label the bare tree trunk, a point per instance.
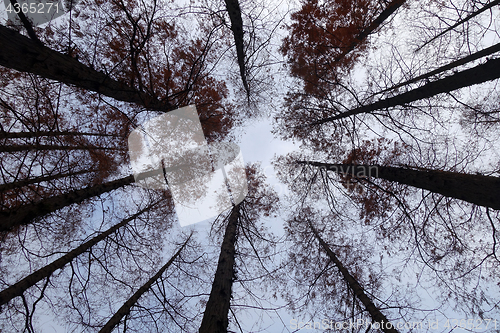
(23, 54)
(483, 53)
(485, 8)
(38, 134)
(30, 147)
(477, 189)
(20, 287)
(388, 11)
(234, 11)
(25, 214)
(373, 310)
(479, 74)
(215, 318)
(125, 309)
(36, 180)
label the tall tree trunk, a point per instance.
(388, 11)
(25, 214)
(477, 189)
(474, 56)
(38, 134)
(373, 310)
(20, 287)
(30, 147)
(483, 9)
(234, 11)
(36, 180)
(479, 74)
(23, 54)
(125, 309)
(215, 318)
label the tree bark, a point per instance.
(373, 310)
(20, 287)
(25, 55)
(35, 180)
(483, 53)
(479, 74)
(391, 8)
(215, 318)
(483, 9)
(477, 189)
(234, 11)
(125, 309)
(25, 214)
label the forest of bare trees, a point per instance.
(384, 217)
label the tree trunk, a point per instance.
(391, 8)
(20, 287)
(485, 8)
(38, 134)
(479, 74)
(30, 147)
(234, 11)
(25, 214)
(35, 180)
(477, 189)
(483, 53)
(215, 318)
(23, 54)
(376, 315)
(125, 309)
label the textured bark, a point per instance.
(36, 180)
(391, 8)
(373, 310)
(479, 74)
(215, 318)
(234, 11)
(477, 189)
(125, 309)
(474, 56)
(467, 18)
(20, 287)
(25, 214)
(25, 55)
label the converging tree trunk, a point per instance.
(25, 214)
(26, 55)
(36, 180)
(477, 189)
(20, 287)
(375, 313)
(125, 309)
(215, 318)
(386, 13)
(479, 74)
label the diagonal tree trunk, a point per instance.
(477, 189)
(25, 55)
(388, 11)
(479, 74)
(38, 134)
(125, 309)
(36, 180)
(25, 214)
(479, 54)
(215, 318)
(375, 313)
(30, 147)
(483, 9)
(20, 287)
